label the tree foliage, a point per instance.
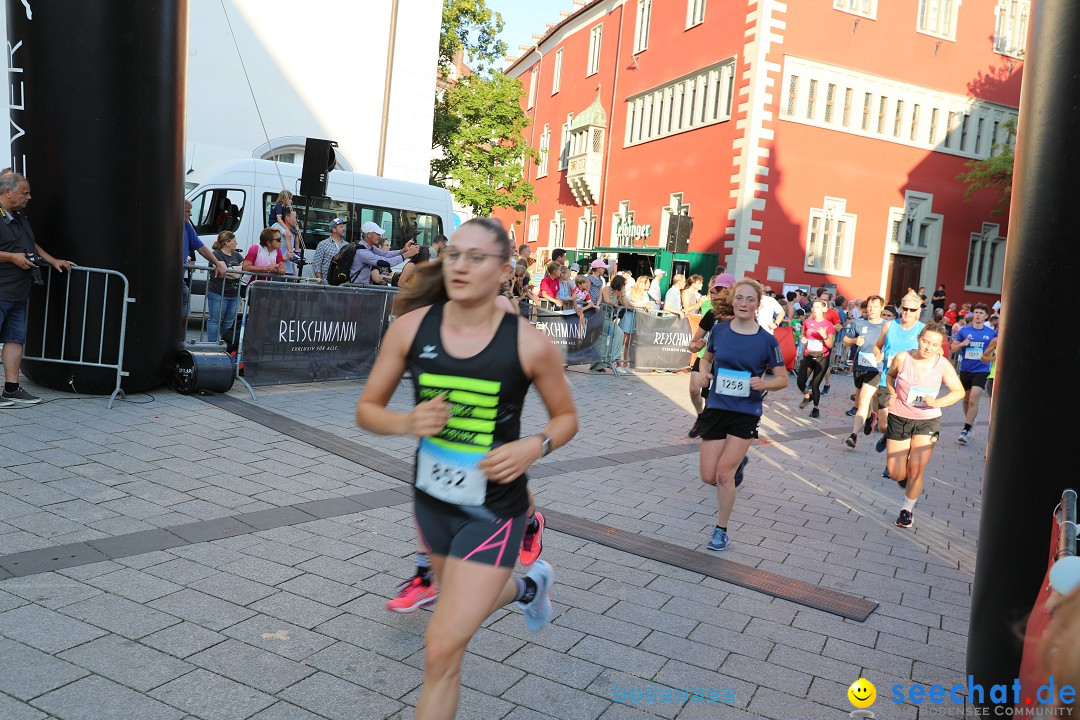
(479, 127)
(471, 26)
(479, 122)
(995, 172)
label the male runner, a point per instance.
(896, 337)
(863, 333)
(971, 341)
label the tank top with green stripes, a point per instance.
(486, 392)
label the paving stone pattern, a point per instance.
(284, 618)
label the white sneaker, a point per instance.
(965, 435)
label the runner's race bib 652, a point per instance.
(735, 383)
(449, 474)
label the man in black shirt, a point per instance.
(18, 254)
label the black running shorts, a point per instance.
(446, 529)
(902, 428)
(868, 377)
(718, 424)
(968, 379)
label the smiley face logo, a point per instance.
(862, 693)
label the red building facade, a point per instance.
(812, 143)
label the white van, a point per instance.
(239, 195)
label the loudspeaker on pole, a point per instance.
(678, 235)
(319, 160)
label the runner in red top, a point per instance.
(818, 336)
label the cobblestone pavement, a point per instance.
(278, 613)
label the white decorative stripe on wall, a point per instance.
(757, 92)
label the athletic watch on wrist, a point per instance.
(545, 443)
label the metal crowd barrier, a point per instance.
(72, 313)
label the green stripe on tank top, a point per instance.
(457, 447)
(467, 437)
(471, 424)
(461, 397)
(464, 411)
(453, 382)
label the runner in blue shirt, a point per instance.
(743, 361)
(971, 342)
(862, 334)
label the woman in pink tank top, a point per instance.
(914, 380)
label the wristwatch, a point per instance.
(545, 443)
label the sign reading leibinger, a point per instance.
(303, 333)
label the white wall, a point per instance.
(318, 70)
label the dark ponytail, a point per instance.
(425, 287)
(428, 287)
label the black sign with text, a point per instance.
(660, 342)
(306, 333)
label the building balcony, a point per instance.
(583, 175)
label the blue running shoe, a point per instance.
(885, 474)
(851, 412)
(881, 444)
(538, 612)
(719, 540)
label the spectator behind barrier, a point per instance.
(223, 294)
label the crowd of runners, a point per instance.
(471, 360)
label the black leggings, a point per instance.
(815, 367)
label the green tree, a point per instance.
(469, 25)
(479, 122)
(995, 172)
(479, 128)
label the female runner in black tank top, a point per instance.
(471, 364)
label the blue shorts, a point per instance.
(13, 322)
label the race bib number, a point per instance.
(735, 383)
(450, 475)
(814, 345)
(867, 359)
(973, 353)
(916, 397)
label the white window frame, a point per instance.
(695, 13)
(686, 103)
(641, 25)
(862, 8)
(829, 249)
(564, 142)
(587, 229)
(556, 78)
(986, 259)
(624, 214)
(534, 229)
(938, 18)
(557, 230)
(545, 152)
(532, 88)
(938, 126)
(1010, 27)
(596, 37)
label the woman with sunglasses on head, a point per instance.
(470, 495)
(742, 361)
(896, 337)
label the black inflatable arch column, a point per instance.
(97, 122)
